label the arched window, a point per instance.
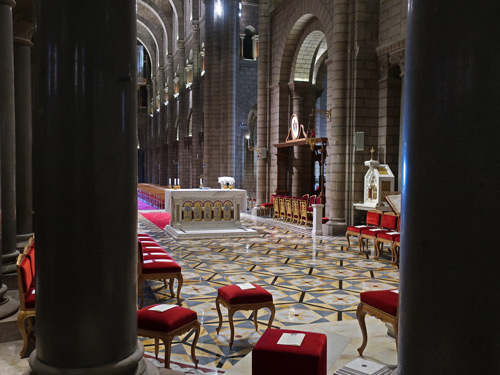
(249, 44)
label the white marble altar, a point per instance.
(198, 213)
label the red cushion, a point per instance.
(358, 228)
(152, 254)
(386, 236)
(373, 231)
(236, 296)
(26, 275)
(372, 218)
(324, 220)
(148, 243)
(166, 321)
(397, 238)
(159, 266)
(389, 221)
(266, 204)
(269, 358)
(31, 255)
(152, 248)
(29, 299)
(384, 300)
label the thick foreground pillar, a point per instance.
(24, 139)
(449, 250)
(8, 306)
(85, 164)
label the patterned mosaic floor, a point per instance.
(313, 280)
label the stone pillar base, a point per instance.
(22, 240)
(9, 263)
(334, 228)
(135, 364)
(8, 306)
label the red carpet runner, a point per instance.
(160, 219)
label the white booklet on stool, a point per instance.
(294, 339)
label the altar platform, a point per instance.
(205, 213)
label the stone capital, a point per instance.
(180, 44)
(195, 25)
(22, 20)
(383, 67)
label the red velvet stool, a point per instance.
(167, 324)
(270, 358)
(234, 298)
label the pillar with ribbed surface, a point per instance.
(263, 106)
(7, 140)
(8, 306)
(336, 166)
(85, 164)
(449, 248)
(24, 144)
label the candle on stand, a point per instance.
(201, 181)
(169, 182)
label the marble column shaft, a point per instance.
(337, 84)
(263, 193)
(7, 139)
(8, 306)
(85, 167)
(24, 139)
(449, 248)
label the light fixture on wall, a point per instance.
(250, 145)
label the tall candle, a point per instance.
(170, 181)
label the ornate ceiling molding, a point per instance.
(389, 55)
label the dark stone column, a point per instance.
(24, 144)
(8, 306)
(449, 248)
(85, 166)
(8, 141)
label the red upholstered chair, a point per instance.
(387, 237)
(166, 325)
(276, 208)
(26, 288)
(296, 210)
(389, 223)
(268, 205)
(372, 221)
(303, 211)
(234, 298)
(158, 268)
(396, 247)
(383, 305)
(271, 358)
(288, 209)
(281, 201)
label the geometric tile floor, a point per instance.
(312, 279)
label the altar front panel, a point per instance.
(205, 209)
